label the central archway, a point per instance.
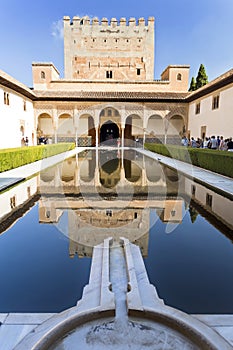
(109, 133)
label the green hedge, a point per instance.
(217, 161)
(14, 157)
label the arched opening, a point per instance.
(66, 131)
(109, 169)
(179, 76)
(133, 172)
(47, 175)
(153, 170)
(133, 129)
(171, 174)
(45, 128)
(68, 170)
(155, 129)
(109, 133)
(175, 129)
(87, 165)
(86, 130)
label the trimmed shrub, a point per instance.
(15, 157)
(220, 162)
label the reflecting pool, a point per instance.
(50, 223)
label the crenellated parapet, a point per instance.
(77, 21)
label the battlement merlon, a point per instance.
(113, 22)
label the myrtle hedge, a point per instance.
(11, 158)
(217, 161)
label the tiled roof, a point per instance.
(219, 82)
(110, 95)
(11, 83)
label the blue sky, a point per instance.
(187, 32)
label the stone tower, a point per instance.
(102, 50)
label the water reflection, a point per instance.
(95, 195)
(114, 190)
(110, 194)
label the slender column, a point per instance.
(76, 137)
(122, 113)
(122, 137)
(57, 179)
(97, 121)
(55, 135)
(166, 123)
(97, 170)
(122, 158)
(55, 124)
(77, 174)
(76, 125)
(144, 137)
(144, 177)
(97, 136)
(97, 176)
(96, 159)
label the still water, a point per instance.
(50, 223)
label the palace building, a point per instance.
(109, 94)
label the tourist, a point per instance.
(193, 143)
(230, 145)
(218, 142)
(199, 143)
(26, 141)
(213, 143)
(184, 141)
(206, 142)
(223, 144)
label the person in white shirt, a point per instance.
(214, 143)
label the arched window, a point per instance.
(42, 75)
(179, 76)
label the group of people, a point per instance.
(24, 141)
(215, 143)
(43, 140)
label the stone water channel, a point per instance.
(120, 207)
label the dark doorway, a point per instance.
(109, 133)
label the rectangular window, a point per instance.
(6, 99)
(13, 202)
(193, 190)
(198, 108)
(209, 199)
(109, 74)
(24, 105)
(109, 212)
(138, 71)
(215, 102)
